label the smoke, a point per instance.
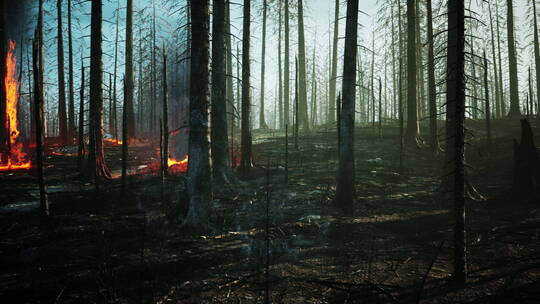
(19, 18)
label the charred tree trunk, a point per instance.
(71, 107)
(165, 115)
(499, 52)
(129, 71)
(286, 83)
(434, 141)
(333, 75)
(495, 71)
(526, 164)
(199, 186)
(262, 121)
(512, 63)
(245, 164)
(81, 150)
(97, 168)
(345, 191)
(412, 132)
(455, 148)
(229, 91)
(536, 60)
(280, 72)
(487, 105)
(37, 56)
(125, 136)
(219, 140)
(302, 118)
(62, 118)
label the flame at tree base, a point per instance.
(16, 158)
(178, 166)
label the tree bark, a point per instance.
(536, 60)
(286, 83)
(165, 115)
(280, 72)
(4, 138)
(81, 150)
(412, 132)
(130, 114)
(487, 107)
(333, 75)
(62, 118)
(37, 56)
(455, 148)
(495, 71)
(499, 52)
(219, 139)
(229, 91)
(245, 164)
(199, 178)
(302, 80)
(434, 141)
(97, 168)
(512, 61)
(71, 108)
(345, 191)
(262, 122)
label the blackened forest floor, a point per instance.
(98, 247)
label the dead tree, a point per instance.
(81, 150)
(262, 121)
(62, 118)
(455, 131)
(412, 131)
(165, 114)
(302, 119)
(71, 107)
(97, 168)
(333, 70)
(434, 141)
(37, 58)
(345, 191)
(218, 114)
(199, 187)
(512, 62)
(129, 71)
(245, 163)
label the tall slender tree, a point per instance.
(345, 192)
(262, 121)
(536, 59)
(495, 70)
(512, 62)
(434, 141)
(455, 131)
(71, 107)
(245, 163)
(302, 79)
(97, 167)
(130, 113)
(333, 70)
(412, 132)
(62, 117)
(199, 178)
(230, 93)
(165, 115)
(280, 69)
(3, 53)
(218, 133)
(286, 82)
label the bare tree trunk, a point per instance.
(113, 128)
(96, 157)
(487, 108)
(302, 81)
(245, 164)
(345, 191)
(130, 115)
(536, 59)
(218, 114)
(411, 134)
(165, 114)
(37, 56)
(512, 62)
(286, 83)
(4, 138)
(333, 75)
(71, 108)
(62, 118)
(81, 150)
(125, 136)
(280, 72)
(262, 122)
(229, 91)
(434, 141)
(499, 52)
(199, 178)
(495, 71)
(313, 93)
(455, 148)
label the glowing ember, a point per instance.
(16, 158)
(113, 141)
(176, 166)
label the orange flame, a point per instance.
(178, 166)
(16, 157)
(113, 141)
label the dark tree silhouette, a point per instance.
(62, 118)
(245, 163)
(130, 114)
(345, 191)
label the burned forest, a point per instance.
(269, 151)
